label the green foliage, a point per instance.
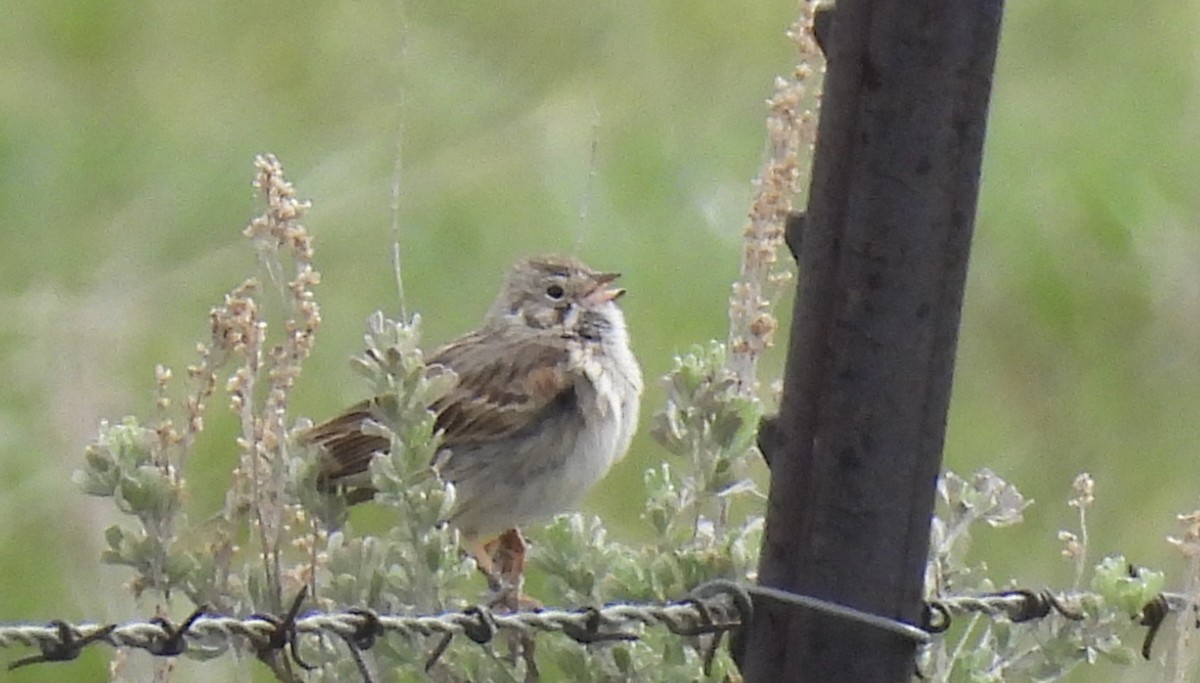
(710, 420)
(126, 463)
(418, 557)
(1091, 628)
(1126, 587)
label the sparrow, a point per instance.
(546, 401)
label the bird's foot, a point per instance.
(504, 568)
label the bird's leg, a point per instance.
(493, 559)
(502, 562)
(511, 555)
(508, 562)
(510, 559)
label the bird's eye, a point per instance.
(555, 292)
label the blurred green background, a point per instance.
(127, 131)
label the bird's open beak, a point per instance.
(602, 294)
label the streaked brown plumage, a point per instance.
(546, 400)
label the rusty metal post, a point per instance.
(856, 448)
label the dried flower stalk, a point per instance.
(258, 485)
(791, 133)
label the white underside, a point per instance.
(530, 479)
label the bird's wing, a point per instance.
(505, 381)
(347, 450)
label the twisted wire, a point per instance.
(602, 623)
(714, 608)
(1024, 604)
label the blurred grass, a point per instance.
(127, 130)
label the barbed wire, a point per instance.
(61, 641)
(714, 609)
(1022, 605)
